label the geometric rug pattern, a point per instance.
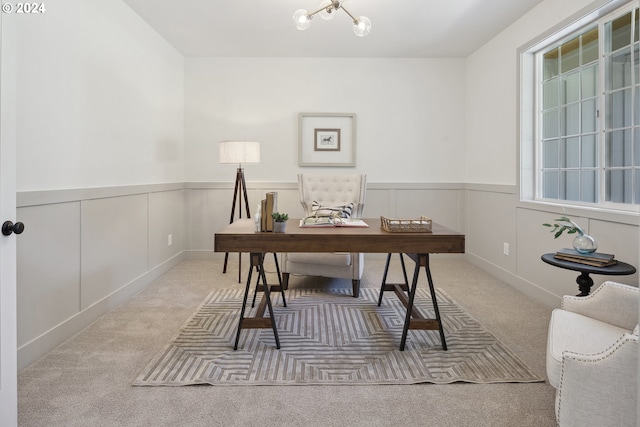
(329, 337)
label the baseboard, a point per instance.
(38, 347)
(528, 288)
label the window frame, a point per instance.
(530, 98)
(562, 138)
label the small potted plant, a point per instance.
(280, 221)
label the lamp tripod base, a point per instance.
(240, 187)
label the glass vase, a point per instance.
(584, 244)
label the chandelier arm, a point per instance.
(355, 20)
(318, 11)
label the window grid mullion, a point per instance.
(601, 140)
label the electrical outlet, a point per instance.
(505, 248)
(170, 240)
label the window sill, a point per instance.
(630, 217)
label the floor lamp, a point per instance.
(239, 152)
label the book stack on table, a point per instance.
(595, 259)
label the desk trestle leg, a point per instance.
(259, 321)
(406, 294)
(280, 286)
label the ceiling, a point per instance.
(264, 28)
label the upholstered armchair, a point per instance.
(344, 194)
(592, 357)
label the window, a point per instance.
(587, 124)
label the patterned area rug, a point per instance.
(329, 337)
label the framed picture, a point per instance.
(327, 139)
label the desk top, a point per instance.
(241, 237)
(618, 269)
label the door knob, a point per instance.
(9, 227)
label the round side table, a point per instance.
(585, 282)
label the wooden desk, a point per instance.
(241, 237)
(584, 281)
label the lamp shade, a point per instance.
(239, 152)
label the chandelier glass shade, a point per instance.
(327, 11)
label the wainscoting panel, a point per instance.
(379, 202)
(612, 237)
(207, 212)
(620, 240)
(48, 268)
(539, 241)
(85, 251)
(208, 208)
(492, 223)
(166, 218)
(288, 199)
(114, 233)
(497, 216)
(443, 206)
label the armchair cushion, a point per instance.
(576, 333)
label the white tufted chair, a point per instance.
(328, 191)
(592, 357)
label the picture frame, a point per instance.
(327, 139)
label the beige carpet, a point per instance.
(330, 338)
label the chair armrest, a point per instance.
(612, 302)
(600, 389)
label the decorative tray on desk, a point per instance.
(393, 225)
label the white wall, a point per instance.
(408, 114)
(491, 89)
(100, 99)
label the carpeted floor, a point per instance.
(87, 380)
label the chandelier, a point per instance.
(327, 10)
